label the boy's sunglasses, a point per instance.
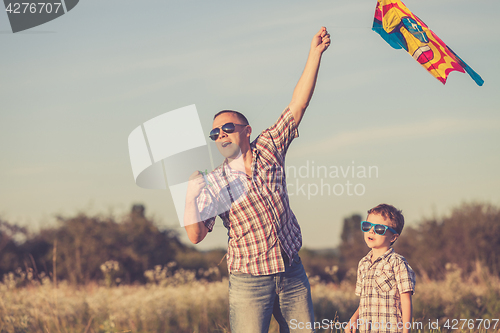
(379, 229)
(227, 128)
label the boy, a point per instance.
(385, 280)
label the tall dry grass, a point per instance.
(179, 303)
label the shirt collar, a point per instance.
(226, 169)
(368, 257)
(386, 255)
(229, 172)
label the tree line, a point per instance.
(78, 249)
(82, 248)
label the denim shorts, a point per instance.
(287, 296)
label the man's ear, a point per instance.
(249, 130)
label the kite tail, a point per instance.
(476, 77)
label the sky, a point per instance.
(73, 89)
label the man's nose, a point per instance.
(222, 134)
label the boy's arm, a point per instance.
(406, 308)
(351, 327)
(305, 87)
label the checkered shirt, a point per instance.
(380, 285)
(256, 210)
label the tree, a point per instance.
(85, 242)
(352, 247)
(10, 251)
(469, 235)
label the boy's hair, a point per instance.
(391, 213)
(240, 116)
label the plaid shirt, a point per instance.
(256, 210)
(380, 285)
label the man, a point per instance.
(248, 191)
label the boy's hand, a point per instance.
(321, 40)
(350, 328)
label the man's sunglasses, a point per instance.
(379, 229)
(227, 128)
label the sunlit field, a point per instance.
(92, 274)
(181, 303)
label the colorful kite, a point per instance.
(401, 29)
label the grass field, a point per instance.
(181, 304)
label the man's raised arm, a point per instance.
(305, 87)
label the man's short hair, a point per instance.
(391, 213)
(240, 116)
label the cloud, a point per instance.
(395, 133)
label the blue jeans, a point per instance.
(287, 296)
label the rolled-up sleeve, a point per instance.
(207, 209)
(359, 278)
(282, 132)
(405, 277)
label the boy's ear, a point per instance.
(394, 237)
